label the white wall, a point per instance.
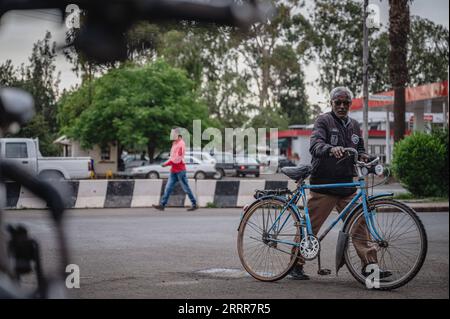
(300, 145)
(100, 166)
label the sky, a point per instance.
(19, 30)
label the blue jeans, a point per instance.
(173, 179)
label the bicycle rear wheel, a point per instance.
(261, 253)
(402, 251)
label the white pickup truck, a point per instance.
(25, 152)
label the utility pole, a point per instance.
(365, 78)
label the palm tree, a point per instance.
(399, 27)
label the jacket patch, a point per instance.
(334, 139)
(355, 139)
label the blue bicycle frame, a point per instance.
(301, 194)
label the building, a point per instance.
(105, 158)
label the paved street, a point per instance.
(142, 253)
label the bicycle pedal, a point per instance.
(324, 272)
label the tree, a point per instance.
(209, 57)
(39, 79)
(263, 50)
(135, 106)
(338, 42)
(427, 52)
(8, 76)
(399, 28)
(290, 85)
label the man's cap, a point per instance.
(341, 92)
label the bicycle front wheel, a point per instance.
(400, 254)
(267, 249)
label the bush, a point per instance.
(420, 162)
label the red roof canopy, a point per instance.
(295, 133)
(418, 93)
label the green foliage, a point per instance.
(269, 118)
(240, 74)
(337, 38)
(8, 75)
(427, 52)
(420, 162)
(274, 55)
(339, 43)
(211, 205)
(136, 106)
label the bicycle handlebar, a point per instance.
(224, 12)
(355, 158)
(102, 36)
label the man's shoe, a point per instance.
(194, 207)
(382, 273)
(297, 273)
(159, 207)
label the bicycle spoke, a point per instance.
(263, 255)
(400, 252)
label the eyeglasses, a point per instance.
(339, 102)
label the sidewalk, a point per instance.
(427, 207)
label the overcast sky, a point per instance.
(19, 30)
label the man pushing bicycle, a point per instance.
(334, 131)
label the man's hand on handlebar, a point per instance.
(337, 152)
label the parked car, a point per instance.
(201, 155)
(194, 169)
(247, 166)
(269, 163)
(134, 160)
(225, 163)
(25, 153)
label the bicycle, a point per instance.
(274, 232)
(19, 253)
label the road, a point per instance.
(142, 253)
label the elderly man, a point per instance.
(334, 131)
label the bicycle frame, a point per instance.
(301, 194)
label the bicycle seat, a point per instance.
(297, 173)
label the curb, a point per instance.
(145, 193)
(429, 209)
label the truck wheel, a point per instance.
(153, 175)
(51, 176)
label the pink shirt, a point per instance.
(176, 159)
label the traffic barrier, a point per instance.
(144, 193)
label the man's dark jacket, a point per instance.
(330, 131)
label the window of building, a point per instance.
(105, 153)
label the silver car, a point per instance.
(194, 169)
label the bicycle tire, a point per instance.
(421, 242)
(270, 247)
